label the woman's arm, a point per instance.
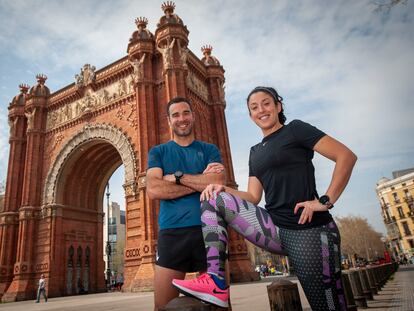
(253, 193)
(344, 160)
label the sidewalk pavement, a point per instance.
(397, 294)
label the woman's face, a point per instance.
(264, 112)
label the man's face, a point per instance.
(181, 119)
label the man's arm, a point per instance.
(200, 181)
(161, 189)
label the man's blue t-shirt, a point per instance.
(192, 159)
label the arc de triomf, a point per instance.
(64, 146)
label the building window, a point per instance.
(112, 220)
(112, 229)
(112, 238)
(403, 184)
(411, 243)
(392, 188)
(400, 212)
(396, 199)
(407, 195)
(407, 230)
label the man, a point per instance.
(177, 172)
(41, 289)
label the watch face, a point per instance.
(324, 199)
(178, 174)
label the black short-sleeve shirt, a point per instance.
(283, 164)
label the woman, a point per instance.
(295, 221)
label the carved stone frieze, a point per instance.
(130, 189)
(86, 76)
(106, 132)
(196, 85)
(12, 125)
(128, 112)
(138, 65)
(142, 182)
(90, 102)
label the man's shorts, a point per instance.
(182, 249)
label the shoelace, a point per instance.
(202, 278)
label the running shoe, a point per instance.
(205, 289)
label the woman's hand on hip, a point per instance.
(210, 192)
(308, 208)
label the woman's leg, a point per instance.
(315, 255)
(252, 222)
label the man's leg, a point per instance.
(163, 289)
(44, 294)
(38, 295)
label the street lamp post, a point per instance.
(108, 243)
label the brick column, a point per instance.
(23, 285)
(9, 216)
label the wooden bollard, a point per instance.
(366, 289)
(376, 277)
(284, 296)
(350, 301)
(187, 304)
(355, 282)
(371, 280)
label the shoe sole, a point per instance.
(203, 297)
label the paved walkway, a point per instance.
(397, 294)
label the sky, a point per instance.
(339, 65)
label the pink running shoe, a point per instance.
(205, 289)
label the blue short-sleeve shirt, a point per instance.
(192, 159)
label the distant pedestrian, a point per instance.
(119, 281)
(41, 288)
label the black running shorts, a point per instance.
(182, 249)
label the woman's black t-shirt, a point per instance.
(283, 164)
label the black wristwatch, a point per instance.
(325, 200)
(178, 175)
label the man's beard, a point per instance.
(185, 133)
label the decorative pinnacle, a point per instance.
(206, 49)
(141, 21)
(24, 88)
(168, 6)
(41, 78)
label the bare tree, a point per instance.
(358, 237)
(387, 5)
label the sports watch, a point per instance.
(178, 175)
(325, 200)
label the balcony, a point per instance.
(408, 199)
(389, 220)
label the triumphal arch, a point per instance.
(64, 146)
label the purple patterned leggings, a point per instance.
(314, 253)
